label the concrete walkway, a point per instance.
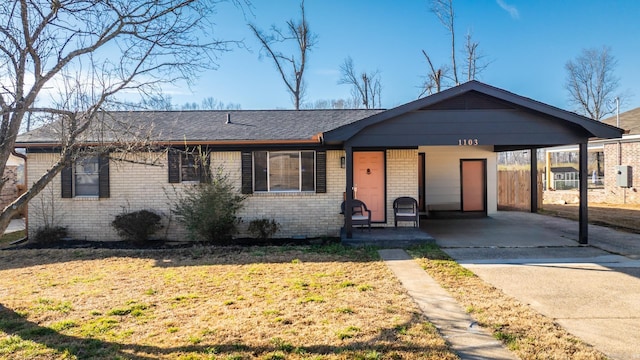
(592, 291)
(466, 338)
(15, 225)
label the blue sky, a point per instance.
(527, 42)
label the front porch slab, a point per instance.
(387, 237)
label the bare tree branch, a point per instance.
(591, 82)
(290, 67)
(91, 51)
(443, 9)
(435, 77)
(475, 63)
(366, 88)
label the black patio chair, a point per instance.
(405, 208)
(360, 215)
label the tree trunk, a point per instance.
(18, 204)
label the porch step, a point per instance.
(402, 237)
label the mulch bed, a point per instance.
(162, 244)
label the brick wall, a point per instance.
(135, 186)
(402, 178)
(300, 214)
(629, 155)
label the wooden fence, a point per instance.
(514, 190)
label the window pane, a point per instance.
(86, 177)
(308, 170)
(284, 171)
(260, 171)
(189, 168)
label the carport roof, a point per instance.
(475, 104)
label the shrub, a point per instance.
(137, 226)
(49, 234)
(263, 228)
(209, 210)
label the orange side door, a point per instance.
(474, 185)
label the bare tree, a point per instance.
(366, 87)
(435, 78)
(290, 67)
(331, 104)
(591, 82)
(211, 103)
(474, 59)
(444, 76)
(443, 9)
(91, 51)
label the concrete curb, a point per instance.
(467, 339)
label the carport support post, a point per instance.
(534, 180)
(348, 226)
(583, 236)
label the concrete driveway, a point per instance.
(592, 291)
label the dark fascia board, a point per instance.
(596, 128)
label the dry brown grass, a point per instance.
(524, 331)
(208, 303)
(618, 216)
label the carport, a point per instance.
(471, 116)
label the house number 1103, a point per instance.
(467, 142)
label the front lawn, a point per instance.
(208, 303)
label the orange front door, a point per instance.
(474, 184)
(368, 181)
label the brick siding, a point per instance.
(135, 186)
(630, 155)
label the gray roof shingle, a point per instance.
(629, 120)
(172, 126)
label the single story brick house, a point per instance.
(623, 152)
(296, 166)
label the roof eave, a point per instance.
(288, 142)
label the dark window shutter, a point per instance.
(205, 169)
(247, 173)
(174, 166)
(321, 172)
(67, 181)
(103, 177)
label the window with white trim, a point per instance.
(86, 176)
(281, 171)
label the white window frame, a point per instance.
(300, 171)
(96, 174)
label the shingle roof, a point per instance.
(244, 125)
(629, 120)
(595, 128)
(563, 169)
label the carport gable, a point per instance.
(472, 114)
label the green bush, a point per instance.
(263, 228)
(137, 226)
(48, 234)
(209, 210)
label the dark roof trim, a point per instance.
(596, 128)
(317, 140)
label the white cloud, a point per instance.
(512, 10)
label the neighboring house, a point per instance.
(296, 166)
(623, 155)
(564, 177)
